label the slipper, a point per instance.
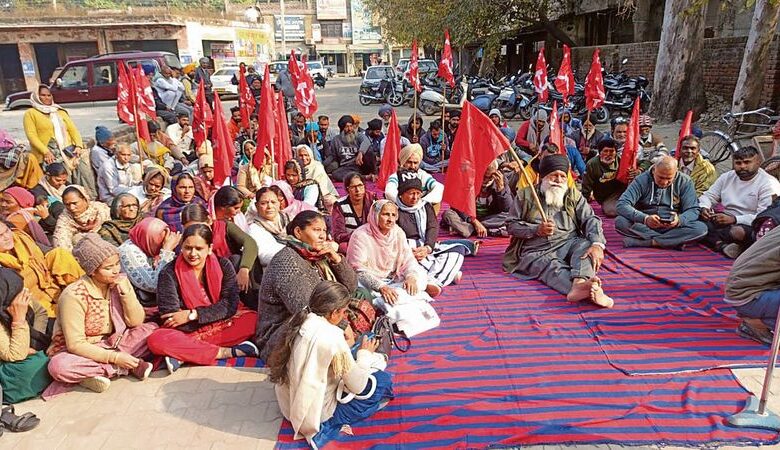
(18, 424)
(746, 331)
(248, 348)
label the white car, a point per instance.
(316, 67)
(222, 81)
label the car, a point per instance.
(375, 74)
(316, 67)
(92, 80)
(274, 67)
(403, 63)
(222, 81)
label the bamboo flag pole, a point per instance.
(137, 135)
(443, 108)
(274, 166)
(414, 114)
(528, 181)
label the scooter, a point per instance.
(431, 102)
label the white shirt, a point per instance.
(742, 199)
(183, 142)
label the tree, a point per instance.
(678, 83)
(750, 83)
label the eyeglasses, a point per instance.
(356, 187)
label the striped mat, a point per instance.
(514, 364)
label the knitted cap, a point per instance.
(91, 250)
(552, 163)
(408, 180)
(102, 134)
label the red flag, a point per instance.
(685, 130)
(246, 99)
(476, 145)
(445, 64)
(389, 164)
(282, 144)
(556, 133)
(266, 130)
(294, 67)
(564, 82)
(202, 118)
(305, 100)
(224, 152)
(413, 74)
(125, 90)
(594, 84)
(628, 159)
(540, 77)
(144, 99)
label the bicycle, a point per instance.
(718, 145)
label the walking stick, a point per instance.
(528, 181)
(755, 414)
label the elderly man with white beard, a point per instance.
(348, 152)
(565, 251)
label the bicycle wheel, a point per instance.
(717, 147)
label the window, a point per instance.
(104, 74)
(379, 73)
(314, 65)
(74, 77)
(331, 29)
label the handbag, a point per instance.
(389, 337)
(361, 315)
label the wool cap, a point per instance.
(91, 250)
(408, 180)
(551, 163)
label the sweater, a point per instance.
(287, 284)
(600, 180)
(643, 198)
(169, 297)
(755, 271)
(742, 199)
(433, 191)
(140, 269)
(40, 130)
(15, 342)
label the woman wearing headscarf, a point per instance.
(17, 206)
(268, 225)
(250, 179)
(152, 191)
(45, 275)
(306, 190)
(204, 179)
(80, 216)
(124, 216)
(351, 211)
(292, 275)
(100, 331)
(17, 165)
(54, 138)
(384, 262)
(182, 195)
(291, 205)
(198, 300)
(151, 245)
(314, 139)
(314, 170)
(53, 183)
(23, 340)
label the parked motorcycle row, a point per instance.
(514, 96)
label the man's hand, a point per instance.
(675, 222)
(420, 253)
(359, 159)
(185, 129)
(724, 219)
(633, 173)
(499, 180)
(596, 254)
(545, 229)
(706, 214)
(654, 222)
(479, 228)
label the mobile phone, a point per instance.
(666, 217)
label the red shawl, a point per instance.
(192, 291)
(220, 245)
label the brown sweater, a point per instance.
(755, 271)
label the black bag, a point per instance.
(389, 336)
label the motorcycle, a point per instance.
(431, 101)
(385, 91)
(319, 80)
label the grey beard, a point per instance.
(349, 139)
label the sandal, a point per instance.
(18, 424)
(746, 331)
(248, 348)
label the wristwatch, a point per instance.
(193, 315)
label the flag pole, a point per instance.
(443, 108)
(274, 166)
(537, 202)
(414, 113)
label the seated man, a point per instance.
(436, 149)
(182, 138)
(659, 209)
(104, 148)
(753, 288)
(349, 152)
(493, 203)
(565, 251)
(695, 166)
(409, 159)
(744, 192)
(600, 178)
(118, 175)
(650, 145)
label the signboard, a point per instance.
(316, 32)
(346, 31)
(250, 44)
(293, 28)
(331, 9)
(365, 28)
(28, 68)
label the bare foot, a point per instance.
(598, 296)
(433, 290)
(477, 243)
(580, 290)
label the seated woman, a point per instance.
(204, 178)
(384, 262)
(314, 170)
(124, 216)
(268, 225)
(198, 300)
(51, 187)
(320, 386)
(306, 190)
(45, 275)
(100, 331)
(17, 207)
(250, 179)
(152, 191)
(417, 219)
(351, 211)
(151, 245)
(287, 201)
(21, 167)
(23, 339)
(80, 216)
(182, 195)
(292, 275)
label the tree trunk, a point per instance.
(750, 83)
(642, 21)
(678, 84)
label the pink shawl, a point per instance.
(381, 255)
(294, 206)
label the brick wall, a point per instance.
(722, 58)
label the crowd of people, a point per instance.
(117, 259)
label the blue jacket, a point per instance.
(643, 198)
